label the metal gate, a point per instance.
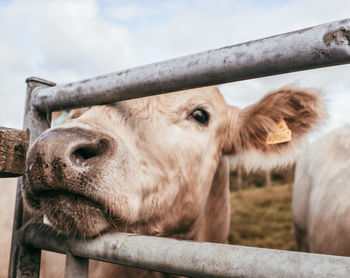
(320, 46)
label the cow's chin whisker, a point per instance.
(72, 215)
(52, 204)
(54, 194)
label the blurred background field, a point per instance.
(260, 216)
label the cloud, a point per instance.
(59, 40)
(128, 12)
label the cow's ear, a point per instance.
(266, 134)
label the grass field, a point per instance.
(262, 218)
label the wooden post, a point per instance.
(13, 149)
(239, 181)
(290, 177)
(268, 180)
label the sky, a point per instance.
(65, 41)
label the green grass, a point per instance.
(262, 218)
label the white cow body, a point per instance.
(321, 208)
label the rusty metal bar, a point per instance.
(76, 267)
(189, 258)
(320, 46)
(25, 260)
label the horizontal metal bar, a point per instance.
(320, 46)
(189, 258)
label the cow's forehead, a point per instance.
(210, 95)
(181, 100)
(171, 104)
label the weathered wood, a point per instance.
(13, 149)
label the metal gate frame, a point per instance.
(320, 46)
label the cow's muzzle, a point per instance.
(68, 159)
(64, 167)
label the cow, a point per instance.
(159, 165)
(320, 205)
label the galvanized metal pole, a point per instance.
(76, 267)
(189, 258)
(320, 46)
(25, 260)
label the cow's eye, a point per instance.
(200, 116)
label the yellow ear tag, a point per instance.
(281, 134)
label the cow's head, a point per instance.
(147, 165)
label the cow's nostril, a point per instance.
(89, 152)
(86, 152)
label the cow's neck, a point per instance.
(213, 225)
